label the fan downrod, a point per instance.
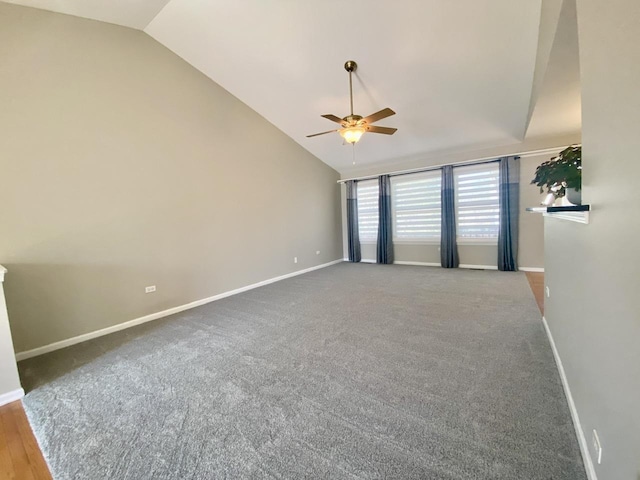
(350, 66)
(356, 124)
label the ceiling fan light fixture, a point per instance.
(353, 126)
(352, 134)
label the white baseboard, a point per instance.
(463, 265)
(582, 441)
(363, 260)
(11, 396)
(478, 267)
(419, 264)
(154, 316)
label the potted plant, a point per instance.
(562, 175)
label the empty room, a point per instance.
(319, 239)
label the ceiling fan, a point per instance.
(353, 126)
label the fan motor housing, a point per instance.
(353, 126)
(353, 119)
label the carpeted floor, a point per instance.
(353, 371)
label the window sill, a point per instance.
(416, 242)
(459, 241)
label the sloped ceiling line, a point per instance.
(460, 75)
(556, 108)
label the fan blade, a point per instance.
(387, 112)
(384, 130)
(323, 133)
(333, 118)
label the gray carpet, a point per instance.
(353, 371)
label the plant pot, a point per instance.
(574, 196)
(549, 200)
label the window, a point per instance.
(477, 207)
(368, 210)
(416, 207)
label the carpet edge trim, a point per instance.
(164, 313)
(582, 440)
(11, 396)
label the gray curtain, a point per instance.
(509, 214)
(384, 252)
(352, 221)
(448, 244)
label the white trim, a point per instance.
(11, 396)
(578, 217)
(529, 153)
(3, 270)
(478, 267)
(420, 264)
(406, 241)
(434, 264)
(542, 151)
(582, 441)
(154, 316)
(362, 260)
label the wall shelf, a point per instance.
(572, 213)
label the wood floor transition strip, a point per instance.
(20, 456)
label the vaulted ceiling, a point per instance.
(460, 75)
(129, 13)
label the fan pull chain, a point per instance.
(353, 149)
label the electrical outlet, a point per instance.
(597, 448)
(547, 291)
(295, 259)
(317, 252)
(150, 289)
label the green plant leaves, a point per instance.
(561, 172)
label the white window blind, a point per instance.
(477, 207)
(368, 210)
(416, 206)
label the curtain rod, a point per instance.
(475, 161)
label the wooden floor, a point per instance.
(21, 459)
(20, 456)
(536, 282)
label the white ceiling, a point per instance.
(558, 107)
(129, 13)
(459, 74)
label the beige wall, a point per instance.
(531, 226)
(9, 380)
(592, 270)
(531, 244)
(122, 167)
